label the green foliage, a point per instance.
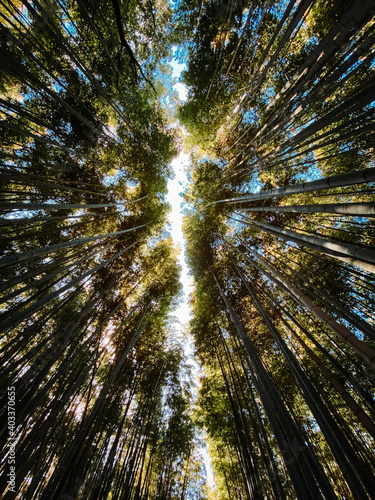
(271, 107)
(280, 95)
(85, 159)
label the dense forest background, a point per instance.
(97, 401)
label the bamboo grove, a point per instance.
(88, 276)
(279, 125)
(280, 238)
